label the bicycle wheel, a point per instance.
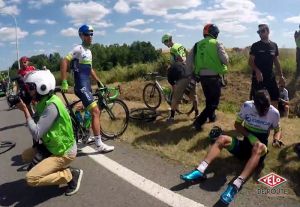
(151, 96)
(6, 146)
(185, 106)
(143, 114)
(114, 119)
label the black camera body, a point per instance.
(13, 100)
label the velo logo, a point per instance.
(272, 180)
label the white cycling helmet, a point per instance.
(43, 80)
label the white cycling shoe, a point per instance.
(105, 148)
(101, 147)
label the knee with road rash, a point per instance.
(260, 148)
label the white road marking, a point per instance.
(163, 194)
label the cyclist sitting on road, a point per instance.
(179, 76)
(53, 129)
(80, 61)
(254, 122)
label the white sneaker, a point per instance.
(105, 148)
(90, 139)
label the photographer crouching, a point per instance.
(55, 147)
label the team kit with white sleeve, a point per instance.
(259, 126)
(81, 66)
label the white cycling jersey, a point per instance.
(258, 124)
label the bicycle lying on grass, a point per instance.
(114, 114)
(153, 93)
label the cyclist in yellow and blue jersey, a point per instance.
(80, 62)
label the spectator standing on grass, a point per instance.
(263, 55)
(179, 76)
(210, 61)
(297, 40)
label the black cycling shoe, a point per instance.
(197, 126)
(74, 184)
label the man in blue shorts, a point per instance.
(254, 122)
(80, 61)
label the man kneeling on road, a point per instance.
(254, 122)
(54, 130)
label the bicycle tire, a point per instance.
(143, 114)
(154, 95)
(6, 146)
(185, 106)
(113, 122)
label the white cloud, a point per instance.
(46, 21)
(69, 32)
(103, 24)
(136, 22)
(37, 4)
(33, 21)
(295, 19)
(134, 30)
(13, 2)
(39, 32)
(232, 27)
(49, 21)
(289, 34)
(122, 7)
(230, 14)
(99, 33)
(90, 12)
(191, 27)
(12, 10)
(8, 34)
(2, 4)
(162, 7)
(38, 43)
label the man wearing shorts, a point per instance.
(255, 120)
(80, 61)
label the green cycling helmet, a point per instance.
(166, 37)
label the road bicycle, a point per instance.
(114, 114)
(154, 91)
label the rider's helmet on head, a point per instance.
(211, 30)
(262, 102)
(166, 38)
(41, 81)
(85, 30)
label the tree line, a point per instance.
(104, 57)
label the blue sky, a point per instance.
(47, 26)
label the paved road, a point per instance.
(125, 177)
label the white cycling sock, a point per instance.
(238, 182)
(98, 140)
(202, 167)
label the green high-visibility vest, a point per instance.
(177, 50)
(60, 137)
(206, 57)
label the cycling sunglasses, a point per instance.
(88, 34)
